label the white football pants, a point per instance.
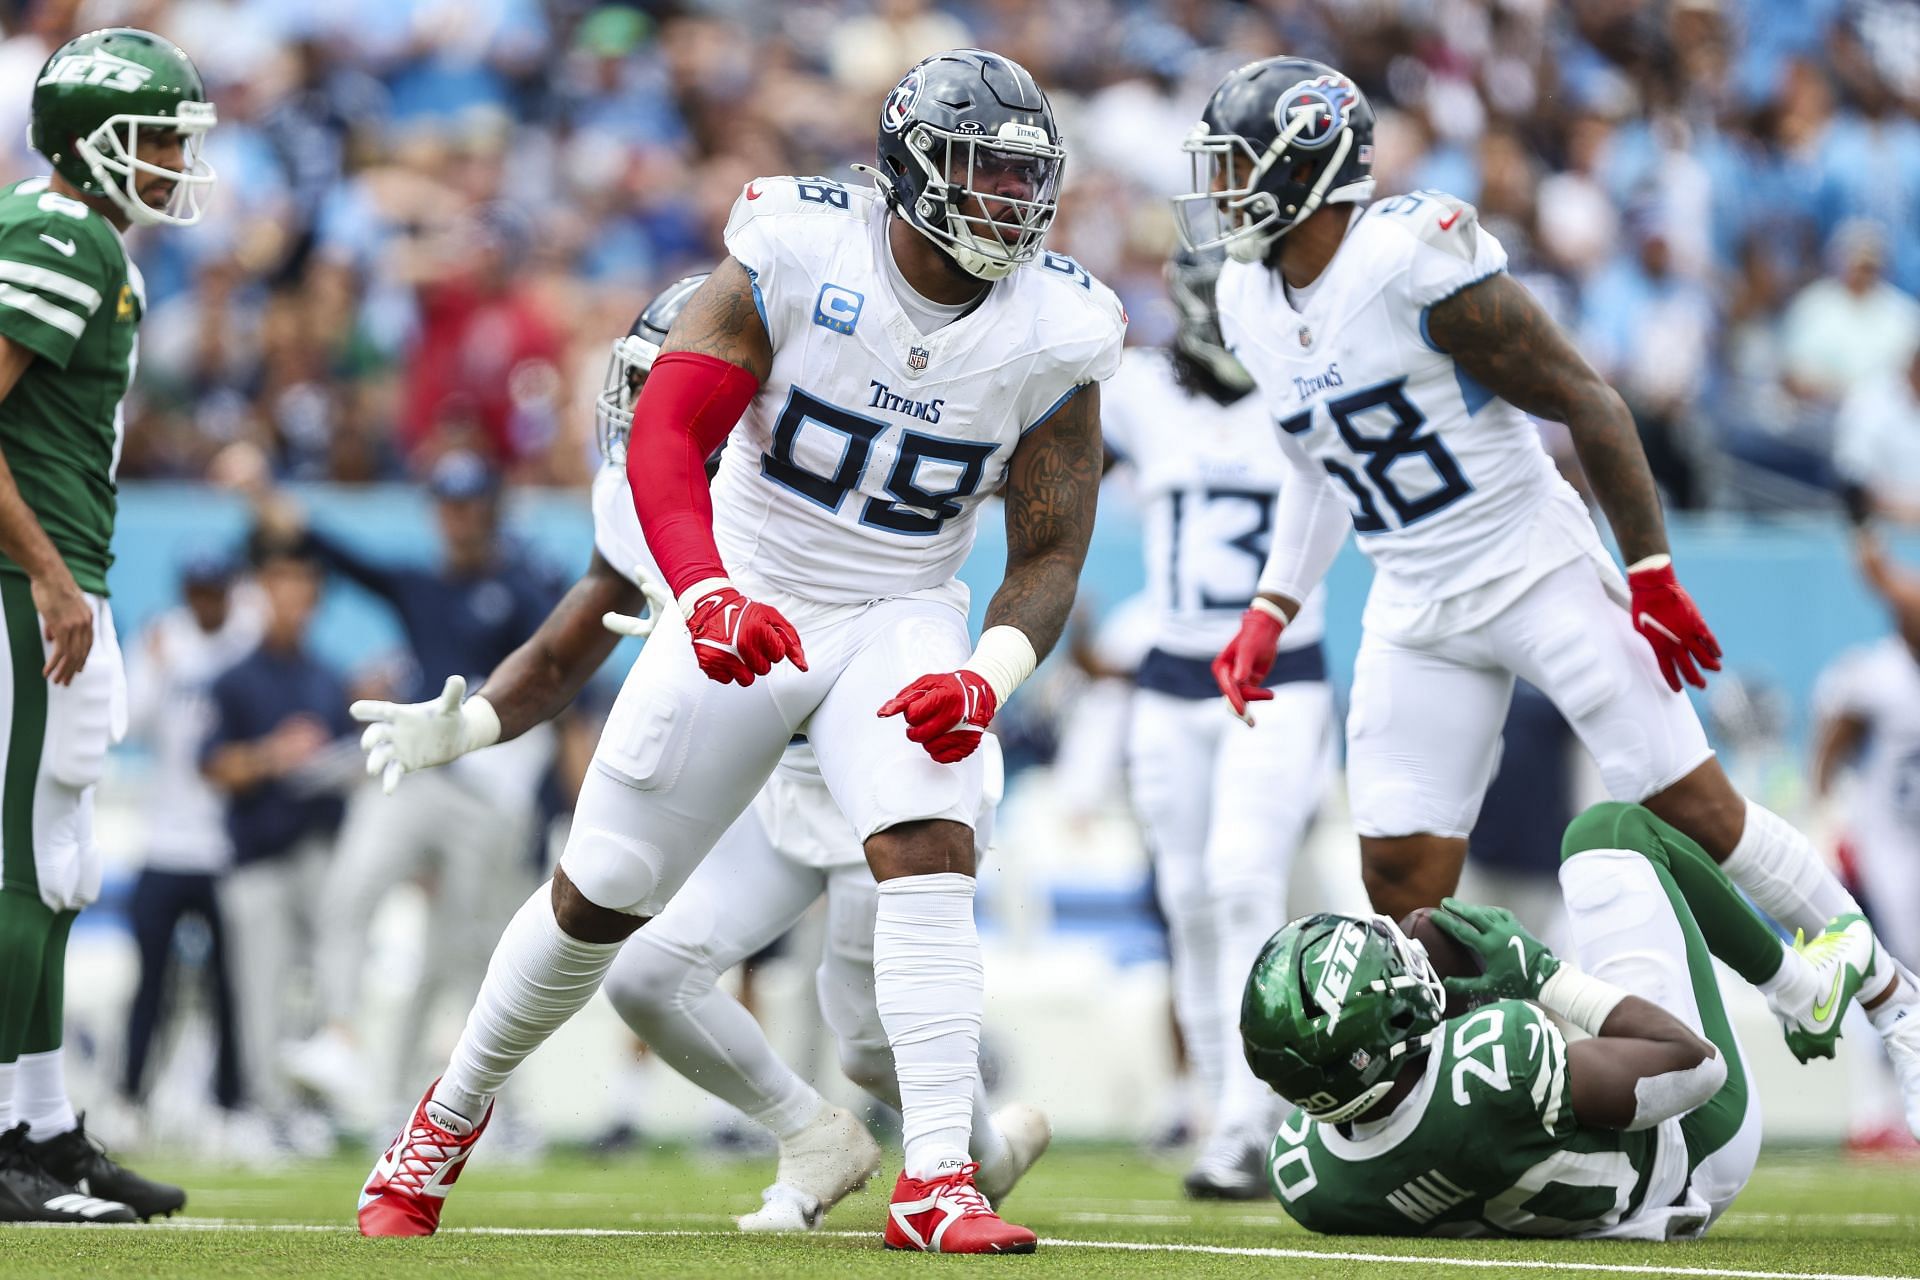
(1224, 807)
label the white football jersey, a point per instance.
(857, 471)
(1880, 684)
(616, 526)
(1449, 486)
(1208, 476)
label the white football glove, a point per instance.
(658, 601)
(404, 736)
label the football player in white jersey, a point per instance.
(1208, 472)
(878, 361)
(1868, 707)
(1400, 361)
(776, 860)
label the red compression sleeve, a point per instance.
(687, 406)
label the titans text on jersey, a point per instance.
(833, 487)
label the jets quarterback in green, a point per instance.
(1436, 1096)
(121, 116)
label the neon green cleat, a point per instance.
(1841, 954)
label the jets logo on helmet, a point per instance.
(102, 69)
(1314, 111)
(898, 108)
(1337, 962)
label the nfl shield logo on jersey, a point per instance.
(1306, 336)
(917, 358)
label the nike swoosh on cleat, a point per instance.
(1823, 1009)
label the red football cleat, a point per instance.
(408, 1187)
(949, 1215)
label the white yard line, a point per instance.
(1124, 1246)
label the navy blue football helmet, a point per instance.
(1280, 138)
(971, 158)
(633, 357)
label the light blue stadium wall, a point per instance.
(1782, 595)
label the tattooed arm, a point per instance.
(721, 320)
(1052, 485)
(535, 682)
(1500, 336)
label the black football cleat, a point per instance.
(82, 1162)
(28, 1193)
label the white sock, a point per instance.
(1779, 870)
(1794, 985)
(538, 978)
(40, 1095)
(930, 985)
(1193, 953)
(670, 1002)
(7, 1070)
(1246, 914)
(1903, 1003)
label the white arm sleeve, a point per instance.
(1309, 527)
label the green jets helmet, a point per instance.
(1334, 1008)
(93, 99)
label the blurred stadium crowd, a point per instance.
(433, 214)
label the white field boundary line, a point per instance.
(1124, 1246)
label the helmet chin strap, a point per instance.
(1255, 247)
(977, 265)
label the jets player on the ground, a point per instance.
(1223, 811)
(121, 115)
(776, 860)
(882, 360)
(1400, 361)
(1489, 1122)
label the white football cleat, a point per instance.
(783, 1208)
(1026, 1131)
(1232, 1166)
(328, 1066)
(1841, 956)
(824, 1163)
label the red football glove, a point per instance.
(946, 712)
(1664, 613)
(1244, 663)
(736, 639)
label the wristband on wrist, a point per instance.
(1659, 561)
(1580, 998)
(1004, 658)
(694, 594)
(1268, 607)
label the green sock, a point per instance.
(1734, 932)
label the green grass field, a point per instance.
(1100, 1213)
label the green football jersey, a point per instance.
(70, 294)
(1486, 1144)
